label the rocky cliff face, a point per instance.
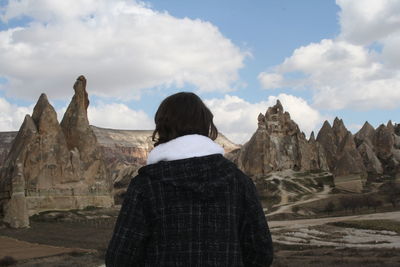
(53, 166)
(278, 144)
(120, 147)
(133, 146)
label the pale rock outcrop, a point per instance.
(390, 126)
(387, 148)
(365, 141)
(349, 160)
(41, 148)
(384, 142)
(317, 157)
(340, 131)
(326, 137)
(46, 169)
(371, 162)
(365, 134)
(278, 144)
(81, 138)
(340, 149)
(15, 210)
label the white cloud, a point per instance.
(119, 116)
(270, 80)
(122, 47)
(364, 22)
(237, 118)
(12, 116)
(350, 71)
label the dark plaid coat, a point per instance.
(193, 212)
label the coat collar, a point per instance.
(187, 146)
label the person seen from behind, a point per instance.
(189, 206)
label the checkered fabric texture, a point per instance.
(193, 212)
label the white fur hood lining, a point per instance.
(187, 146)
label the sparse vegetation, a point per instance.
(329, 207)
(77, 253)
(292, 187)
(295, 209)
(379, 225)
(391, 190)
(89, 208)
(8, 261)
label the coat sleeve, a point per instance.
(255, 237)
(127, 245)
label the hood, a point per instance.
(203, 176)
(187, 146)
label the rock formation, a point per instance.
(86, 154)
(340, 149)
(48, 169)
(326, 137)
(365, 134)
(349, 160)
(278, 144)
(371, 162)
(386, 147)
(365, 142)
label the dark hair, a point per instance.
(181, 114)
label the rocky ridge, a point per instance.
(278, 144)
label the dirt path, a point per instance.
(21, 250)
(317, 196)
(310, 222)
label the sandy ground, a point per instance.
(21, 250)
(308, 242)
(310, 222)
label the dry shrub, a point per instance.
(7, 261)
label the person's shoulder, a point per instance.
(138, 183)
(239, 175)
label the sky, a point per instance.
(321, 59)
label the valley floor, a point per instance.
(336, 241)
